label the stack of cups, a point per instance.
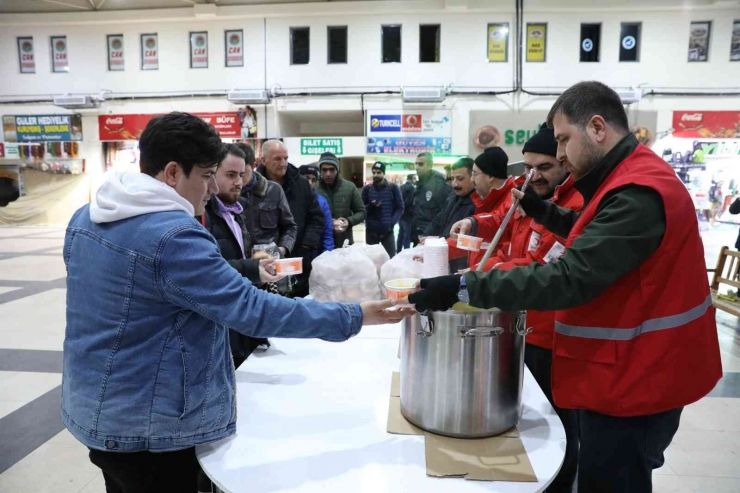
(436, 258)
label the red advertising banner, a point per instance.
(706, 124)
(2, 150)
(130, 127)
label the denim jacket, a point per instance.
(147, 364)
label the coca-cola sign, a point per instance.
(130, 127)
(707, 124)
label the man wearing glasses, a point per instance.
(431, 194)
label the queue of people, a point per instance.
(622, 340)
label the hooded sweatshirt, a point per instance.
(125, 195)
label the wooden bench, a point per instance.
(726, 272)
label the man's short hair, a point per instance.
(248, 151)
(427, 156)
(235, 150)
(182, 138)
(464, 162)
(410, 177)
(584, 100)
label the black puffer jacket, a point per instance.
(456, 209)
(241, 345)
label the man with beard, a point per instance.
(224, 219)
(384, 204)
(430, 195)
(303, 204)
(460, 204)
(635, 335)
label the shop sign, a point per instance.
(59, 54)
(498, 42)
(42, 128)
(536, 42)
(130, 127)
(724, 148)
(26, 56)
(11, 151)
(429, 123)
(234, 46)
(149, 51)
(115, 52)
(408, 145)
(706, 124)
(316, 147)
(199, 49)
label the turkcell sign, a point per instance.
(385, 123)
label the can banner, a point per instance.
(199, 49)
(536, 42)
(59, 54)
(498, 42)
(735, 42)
(26, 56)
(234, 45)
(149, 52)
(699, 41)
(115, 52)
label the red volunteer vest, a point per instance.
(649, 342)
(532, 242)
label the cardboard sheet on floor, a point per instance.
(499, 458)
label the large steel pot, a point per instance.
(461, 371)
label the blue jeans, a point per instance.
(404, 235)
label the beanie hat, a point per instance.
(329, 158)
(493, 162)
(380, 166)
(309, 170)
(543, 142)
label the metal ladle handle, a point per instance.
(504, 223)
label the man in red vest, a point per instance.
(635, 335)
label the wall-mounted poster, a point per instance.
(590, 42)
(149, 52)
(26, 56)
(234, 45)
(735, 42)
(199, 49)
(629, 42)
(537, 42)
(498, 42)
(59, 54)
(699, 41)
(115, 52)
(248, 122)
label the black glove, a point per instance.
(437, 294)
(532, 204)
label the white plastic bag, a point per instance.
(376, 253)
(346, 275)
(403, 266)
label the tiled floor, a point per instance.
(37, 455)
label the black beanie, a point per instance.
(309, 169)
(380, 166)
(329, 158)
(543, 142)
(493, 162)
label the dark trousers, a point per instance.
(618, 455)
(404, 235)
(386, 239)
(539, 362)
(147, 472)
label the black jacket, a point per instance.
(241, 346)
(267, 214)
(735, 209)
(429, 200)
(456, 209)
(408, 190)
(230, 250)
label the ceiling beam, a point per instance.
(100, 5)
(92, 3)
(65, 4)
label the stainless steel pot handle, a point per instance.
(427, 325)
(521, 322)
(473, 332)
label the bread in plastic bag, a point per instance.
(346, 275)
(403, 266)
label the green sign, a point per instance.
(318, 146)
(519, 137)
